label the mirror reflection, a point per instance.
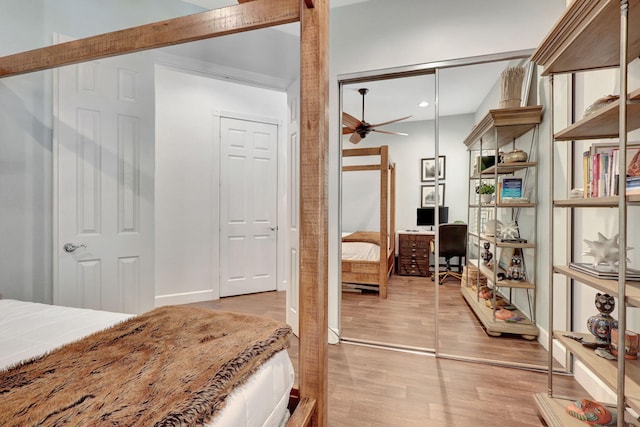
(407, 317)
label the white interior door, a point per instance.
(104, 133)
(248, 206)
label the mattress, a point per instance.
(31, 329)
(359, 251)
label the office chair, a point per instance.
(453, 243)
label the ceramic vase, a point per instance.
(600, 324)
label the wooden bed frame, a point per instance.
(313, 16)
(376, 272)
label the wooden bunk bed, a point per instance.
(313, 16)
(374, 272)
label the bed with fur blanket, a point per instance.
(171, 366)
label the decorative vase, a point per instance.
(485, 198)
(515, 156)
(600, 324)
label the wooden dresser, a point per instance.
(413, 253)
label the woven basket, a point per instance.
(511, 87)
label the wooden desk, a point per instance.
(413, 252)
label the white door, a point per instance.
(248, 206)
(104, 136)
(293, 208)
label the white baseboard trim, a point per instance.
(184, 298)
(586, 378)
(334, 336)
(597, 389)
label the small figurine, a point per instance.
(486, 255)
(516, 270)
(600, 324)
(593, 413)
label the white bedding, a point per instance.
(31, 329)
(360, 251)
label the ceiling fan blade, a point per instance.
(390, 121)
(355, 138)
(350, 121)
(390, 133)
(346, 131)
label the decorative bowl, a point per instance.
(515, 156)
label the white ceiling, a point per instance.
(462, 90)
(274, 52)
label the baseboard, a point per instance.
(184, 298)
(586, 378)
(597, 389)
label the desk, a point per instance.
(413, 252)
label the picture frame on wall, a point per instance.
(428, 195)
(428, 168)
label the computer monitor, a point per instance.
(426, 217)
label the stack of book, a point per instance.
(604, 271)
(633, 185)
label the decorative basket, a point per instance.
(511, 87)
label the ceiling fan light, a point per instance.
(423, 104)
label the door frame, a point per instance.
(281, 162)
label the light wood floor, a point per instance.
(378, 387)
(407, 318)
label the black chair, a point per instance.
(453, 243)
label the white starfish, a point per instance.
(604, 250)
(508, 231)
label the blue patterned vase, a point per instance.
(600, 324)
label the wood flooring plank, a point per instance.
(376, 387)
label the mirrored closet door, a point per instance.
(453, 319)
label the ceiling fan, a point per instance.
(359, 128)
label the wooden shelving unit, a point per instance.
(503, 169)
(512, 122)
(496, 327)
(497, 129)
(610, 287)
(603, 123)
(596, 202)
(590, 35)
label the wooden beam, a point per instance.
(383, 279)
(361, 168)
(314, 201)
(213, 23)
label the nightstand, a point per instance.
(413, 252)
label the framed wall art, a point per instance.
(428, 168)
(428, 195)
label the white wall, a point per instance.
(26, 224)
(187, 181)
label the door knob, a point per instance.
(71, 247)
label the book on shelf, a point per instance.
(586, 173)
(601, 166)
(604, 271)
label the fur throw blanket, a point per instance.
(172, 366)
